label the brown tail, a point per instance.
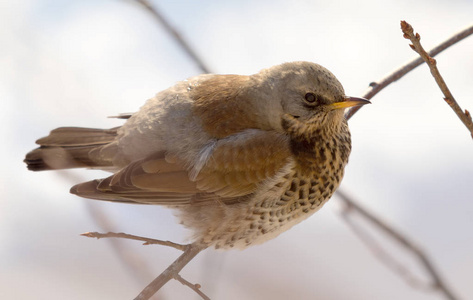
(71, 147)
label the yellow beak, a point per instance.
(349, 102)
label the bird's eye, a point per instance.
(311, 97)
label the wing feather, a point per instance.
(233, 169)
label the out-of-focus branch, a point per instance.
(465, 117)
(175, 34)
(137, 267)
(436, 281)
(377, 86)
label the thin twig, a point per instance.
(437, 282)
(377, 86)
(175, 34)
(147, 241)
(195, 287)
(465, 117)
(171, 272)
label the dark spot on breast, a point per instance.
(322, 155)
(302, 194)
(334, 154)
(302, 202)
(293, 187)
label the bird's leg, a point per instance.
(172, 272)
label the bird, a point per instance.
(240, 158)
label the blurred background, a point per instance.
(74, 63)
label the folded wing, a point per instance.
(231, 172)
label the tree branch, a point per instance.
(437, 282)
(377, 86)
(465, 117)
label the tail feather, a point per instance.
(70, 147)
(77, 136)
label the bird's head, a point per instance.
(305, 95)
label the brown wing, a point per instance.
(239, 163)
(234, 169)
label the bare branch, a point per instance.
(377, 86)
(465, 117)
(437, 282)
(175, 34)
(147, 241)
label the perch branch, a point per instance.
(437, 282)
(377, 86)
(465, 116)
(190, 251)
